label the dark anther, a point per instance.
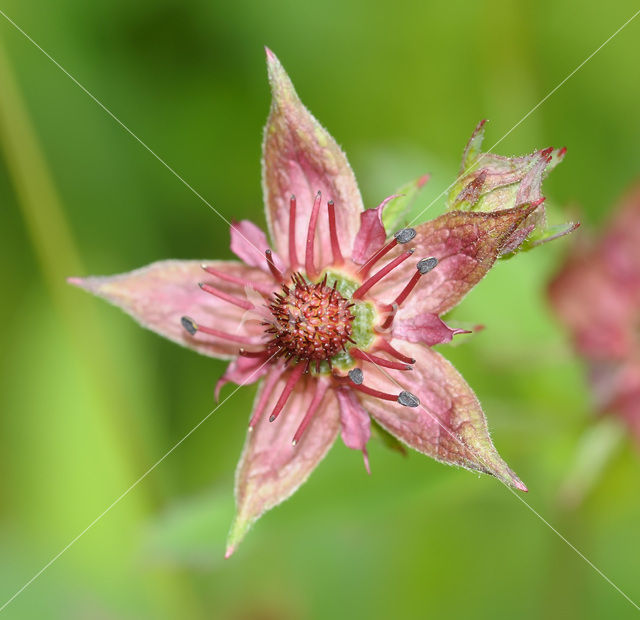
(405, 235)
(356, 375)
(427, 264)
(189, 325)
(407, 399)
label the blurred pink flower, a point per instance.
(596, 295)
(336, 319)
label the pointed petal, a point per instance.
(448, 425)
(249, 243)
(355, 423)
(372, 235)
(423, 328)
(271, 468)
(160, 294)
(300, 157)
(466, 246)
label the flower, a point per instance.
(596, 296)
(337, 319)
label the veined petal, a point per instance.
(301, 158)
(160, 294)
(466, 246)
(372, 235)
(448, 425)
(355, 423)
(249, 243)
(271, 468)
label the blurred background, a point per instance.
(89, 400)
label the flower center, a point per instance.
(310, 321)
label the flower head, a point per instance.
(336, 315)
(596, 295)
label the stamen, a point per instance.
(378, 361)
(333, 232)
(383, 345)
(192, 327)
(293, 255)
(321, 388)
(376, 277)
(245, 353)
(267, 389)
(227, 277)
(294, 377)
(311, 234)
(424, 266)
(407, 399)
(232, 299)
(277, 274)
(401, 237)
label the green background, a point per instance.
(89, 401)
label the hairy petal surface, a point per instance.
(300, 157)
(158, 295)
(466, 246)
(271, 469)
(448, 425)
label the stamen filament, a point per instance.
(267, 388)
(376, 277)
(311, 234)
(232, 299)
(245, 353)
(227, 277)
(383, 345)
(378, 361)
(364, 270)
(293, 255)
(277, 274)
(333, 232)
(294, 377)
(321, 388)
(192, 327)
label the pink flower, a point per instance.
(337, 319)
(596, 295)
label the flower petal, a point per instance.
(355, 423)
(301, 158)
(423, 328)
(466, 246)
(396, 214)
(448, 425)
(271, 468)
(372, 235)
(160, 294)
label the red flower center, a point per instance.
(311, 321)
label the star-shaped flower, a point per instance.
(335, 317)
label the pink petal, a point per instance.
(371, 236)
(423, 328)
(160, 294)
(448, 425)
(301, 158)
(354, 422)
(271, 468)
(249, 243)
(243, 371)
(466, 245)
